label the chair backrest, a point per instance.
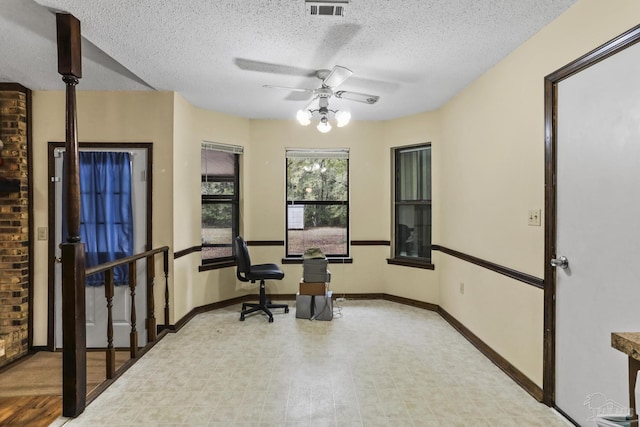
(243, 260)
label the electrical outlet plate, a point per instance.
(42, 233)
(534, 218)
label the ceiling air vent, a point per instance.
(326, 8)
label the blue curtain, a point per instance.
(106, 216)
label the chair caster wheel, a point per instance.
(270, 319)
(242, 318)
(286, 310)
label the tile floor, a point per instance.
(377, 363)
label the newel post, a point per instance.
(74, 340)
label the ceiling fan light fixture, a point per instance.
(324, 126)
(303, 117)
(331, 79)
(343, 118)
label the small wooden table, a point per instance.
(629, 344)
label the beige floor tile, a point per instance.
(379, 364)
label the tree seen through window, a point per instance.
(317, 205)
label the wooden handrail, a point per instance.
(122, 261)
(150, 321)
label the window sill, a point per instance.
(217, 265)
(412, 262)
(332, 260)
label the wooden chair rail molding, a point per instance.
(506, 271)
(192, 249)
(185, 252)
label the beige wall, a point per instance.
(492, 171)
(264, 209)
(191, 126)
(488, 171)
(102, 117)
(417, 284)
(262, 203)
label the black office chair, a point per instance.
(250, 273)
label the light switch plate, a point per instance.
(534, 218)
(43, 233)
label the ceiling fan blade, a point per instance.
(299, 96)
(271, 68)
(337, 76)
(292, 89)
(357, 96)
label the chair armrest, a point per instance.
(241, 277)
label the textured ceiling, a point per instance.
(414, 54)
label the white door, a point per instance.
(96, 303)
(598, 231)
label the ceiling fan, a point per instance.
(319, 103)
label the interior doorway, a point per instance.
(592, 155)
(140, 160)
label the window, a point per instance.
(220, 195)
(413, 203)
(318, 201)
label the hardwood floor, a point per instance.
(32, 411)
(31, 388)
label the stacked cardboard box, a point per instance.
(314, 299)
(315, 307)
(315, 270)
(315, 276)
(313, 288)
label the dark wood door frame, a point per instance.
(148, 146)
(550, 140)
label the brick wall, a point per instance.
(14, 224)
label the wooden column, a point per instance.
(74, 340)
